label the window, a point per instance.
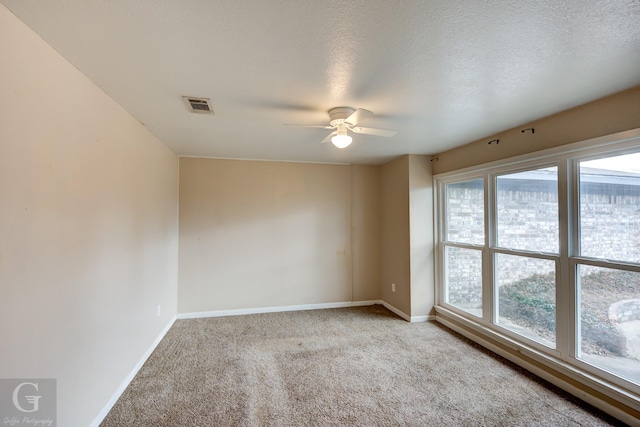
(609, 317)
(464, 279)
(527, 297)
(609, 293)
(527, 223)
(544, 251)
(464, 233)
(465, 212)
(610, 208)
(527, 215)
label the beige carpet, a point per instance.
(354, 366)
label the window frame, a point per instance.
(442, 231)
(494, 249)
(575, 258)
(565, 357)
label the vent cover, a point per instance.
(198, 105)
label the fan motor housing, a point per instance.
(339, 114)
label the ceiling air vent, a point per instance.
(198, 105)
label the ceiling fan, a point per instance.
(345, 119)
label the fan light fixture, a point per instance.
(341, 139)
(345, 119)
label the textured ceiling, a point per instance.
(441, 72)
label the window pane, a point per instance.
(528, 210)
(609, 320)
(465, 212)
(463, 278)
(610, 208)
(527, 297)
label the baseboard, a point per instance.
(405, 316)
(418, 319)
(125, 383)
(278, 309)
(364, 303)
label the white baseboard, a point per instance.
(418, 319)
(364, 303)
(125, 383)
(411, 319)
(396, 311)
(279, 309)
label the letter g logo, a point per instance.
(31, 399)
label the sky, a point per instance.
(624, 163)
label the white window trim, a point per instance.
(562, 359)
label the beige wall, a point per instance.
(270, 234)
(395, 256)
(88, 229)
(365, 229)
(421, 235)
(406, 235)
(606, 116)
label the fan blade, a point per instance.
(328, 138)
(309, 126)
(372, 131)
(359, 115)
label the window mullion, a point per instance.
(565, 289)
(487, 255)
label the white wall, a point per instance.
(88, 229)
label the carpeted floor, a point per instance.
(349, 367)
